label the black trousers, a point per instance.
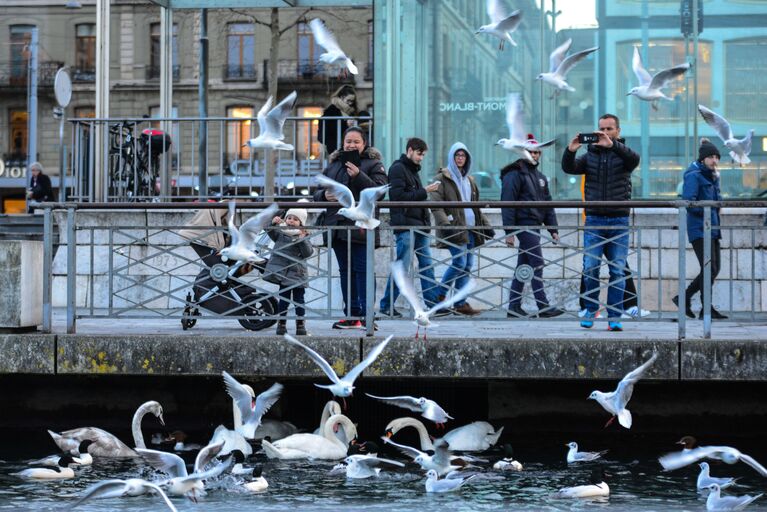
(716, 263)
(296, 295)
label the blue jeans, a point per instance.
(530, 253)
(420, 244)
(353, 275)
(460, 268)
(613, 242)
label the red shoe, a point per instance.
(347, 324)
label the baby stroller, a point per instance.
(218, 288)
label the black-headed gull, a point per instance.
(615, 402)
(429, 409)
(502, 24)
(333, 55)
(726, 454)
(559, 66)
(573, 455)
(440, 461)
(117, 488)
(421, 315)
(649, 88)
(596, 488)
(270, 123)
(251, 410)
(716, 501)
(363, 214)
(434, 484)
(341, 387)
(242, 242)
(366, 466)
(705, 479)
(739, 148)
(517, 141)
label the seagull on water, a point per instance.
(429, 409)
(517, 142)
(242, 241)
(649, 88)
(501, 23)
(689, 454)
(559, 66)
(615, 402)
(705, 479)
(333, 55)
(366, 466)
(739, 148)
(716, 502)
(117, 488)
(434, 484)
(508, 463)
(251, 410)
(363, 214)
(439, 460)
(573, 455)
(270, 123)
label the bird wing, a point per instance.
(511, 22)
(626, 385)
(676, 460)
(496, 10)
(717, 122)
(267, 399)
(405, 286)
(341, 191)
(324, 366)
(357, 370)
(275, 119)
(514, 117)
(368, 198)
(105, 489)
(373, 461)
(751, 462)
(558, 55)
(406, 402)
(323, 36)
(211, 473)
(263, 126)
(531, 146)
(458, 296)
(441, 452)
(250, 229)
(240, 395)
(156, 488)
(166, 462)
(570, 62)
(206, 455)
(407, 450)
(641, 73)
(234, 234)
(662, 78)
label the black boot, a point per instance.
(688, 309)
(282, 327)
(301, 328)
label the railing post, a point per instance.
(370, 279)
(47, 273)
(707, 272)
(71, 271)
(681, 289)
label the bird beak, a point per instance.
(567, 445)
(477, 32)
(628, 94)
(162, 421)
(389, 434)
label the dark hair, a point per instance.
(612, 116)
(359, 130)
(416, 144)
(345, 90)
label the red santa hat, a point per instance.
(531, 138)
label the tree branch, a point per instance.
(249, 16)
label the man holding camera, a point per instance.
(607, 166)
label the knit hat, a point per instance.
(707, 149)
(531, 138)
(298, 213)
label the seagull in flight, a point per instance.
(559, 66)
(270, 123)
(501, 23)
(363, 213)
(333, 55)
(117, 488)
(440, 461)
(726, 454)
(516, 141)
(251, 410)
(341, 387)
(242, 241)
(739, 148)
(429, 409)
(422, 315)
(615, 402)
(649, 88)
(715, 501)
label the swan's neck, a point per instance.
(325, 416)
(346, 423)
(138, 437)
(423, 434)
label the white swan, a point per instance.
(232, 440)
(311, 446)
(474, 437)
(104, 443)
(61, 472)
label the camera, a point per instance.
(588, 138)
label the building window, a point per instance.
(745, 67)
(18, 134)
(307, 54)
(238, 133)
(240, 54)
(85, 53)
(308, 147)
(21, 36)
(153, 72)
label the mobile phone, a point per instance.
(351, 156)
(588, 138)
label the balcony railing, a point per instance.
(16, 75)
(240, 72)
(84, 74)
(300, 70)
(153, 72)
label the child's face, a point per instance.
(293, 221)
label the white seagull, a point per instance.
(363, 214)
(441, 461)
(559, 66)
(508, 463)
(270, 123)
(422, 315)
(429, 409)
(501, 23)
(434, 484)
(727, 454)
(573, 455)
(242, 241)
(615, 402)
(739, 148)
(365, 466)
(117, 488)
(716, 502)
(705, 479)
(341, 387)
(517, 142)
(251, 410)
(333, 55)
(649, 88)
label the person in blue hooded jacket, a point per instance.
(701, 183)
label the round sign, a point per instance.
(62, 86)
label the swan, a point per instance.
(80, 456)
(273, 429)
(474, 437)
(232, 440)
(104, 443)
(312, 446)
(61, 472)
(258, 483)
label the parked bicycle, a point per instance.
(134, 162)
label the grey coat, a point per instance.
(287, 264)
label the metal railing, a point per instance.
(111, 267)
(16, 75)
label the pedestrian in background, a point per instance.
(40, 189)
(343, 103)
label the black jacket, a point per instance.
(406, 186)
(41, 188)
(522, 181)
(331, 131)
(608, 175)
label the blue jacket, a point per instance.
(700, 184)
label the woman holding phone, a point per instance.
(349, 244)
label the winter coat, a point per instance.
(444, 218)
(608, 175)
(406, 185)
(287, 263)
(372, 174)
(41, 188)
(208, 218)
(701, 184)
(522, 181)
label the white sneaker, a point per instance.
(634, 312)
(584, 312)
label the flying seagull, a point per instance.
(739, 148)
(501, 23)
(559, 66)
(270, 123)
(615, 402)
(251, 410)
(333, 55)
(649, 88)
(363, 214)
(242, 241)
(117, 488)
(726, 454)
(516, 141)
(429, 409)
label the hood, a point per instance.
(519, 165)
(451, 161)
(369, 153)
(697, 167)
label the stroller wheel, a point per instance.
(186, 321)
(259, 306)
